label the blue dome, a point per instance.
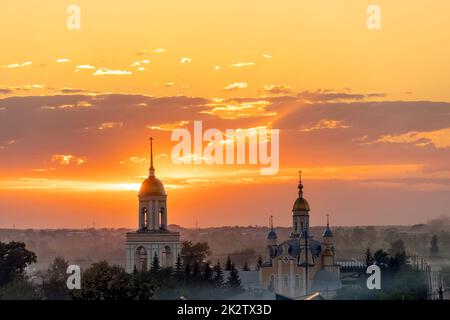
(328, 233)
(272, 235)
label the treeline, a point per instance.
(192, 277)
(399, 279)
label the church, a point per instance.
(300, 265)
(152, 238)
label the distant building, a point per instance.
(152, 238)
(300, 265)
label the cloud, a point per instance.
(242, 64)
(326, 124)
(85, 67)
(185, 60)
(169, 126)
(67, 159)
(71, 90)
(236, 85)
(276, 89)
(139, 63)
(325, 95)
(17, 65)
(437, 138)
(267, 56)
(5, 90)
(159, 50)
(110, 125)
(63, 60)
(105, 71)
(233, 109)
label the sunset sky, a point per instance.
(364, 113)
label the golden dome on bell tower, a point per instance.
(152, 186)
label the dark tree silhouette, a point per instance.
(245, 268)
(194, 253)
(14, 258)
(434, 250)
(368, 257)
(228, 264)
(54, 284)
(155, 267)
(218, 275)
(178, 265)
(233, 280)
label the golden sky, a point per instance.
(365, 113)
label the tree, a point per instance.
(233, 280)
(207, 272)
(228, 264)
(259, 263)
(397, 247)
(104, 282)
(54, 281)
(218, 275)
(192, 253)
(155, 267)
(14, 258)
(434, 250)
(368, 257)
(381, 258)
(245, 268)
(178, 265)
(144, 285)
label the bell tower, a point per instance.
(300, 211)
(152, 237)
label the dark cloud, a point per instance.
(5, 91)
(70, 90)
(328, 96)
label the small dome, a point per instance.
(272, 235)
(328, 233)
(301, 205)
(152, 187)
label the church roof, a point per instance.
(294, 248)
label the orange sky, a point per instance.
(365, 113)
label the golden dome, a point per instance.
(152, 187)
(301, 205)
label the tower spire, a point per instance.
(300, 185)
(328, 221)
(271, 222)
(152, 169)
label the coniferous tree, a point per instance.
(245, 268)
(228, 264)
(195, 271)
(155, 267)
(178, 265)
(434, 250)
(368, 257)
(207, 272)
(233, 281)
(218, 275)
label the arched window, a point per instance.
(141, 259)
(161, 215)
(144, 218)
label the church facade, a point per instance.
(300, 264)
(152, 238)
